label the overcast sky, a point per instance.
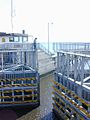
(70, 18)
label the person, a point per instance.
(35, 43)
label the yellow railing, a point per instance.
(75, 104)
(19, 102)
(18, 96)
(24, 85)
(60, 112)
(72, 93)
(21, 90)
(21, 79)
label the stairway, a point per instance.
(46, 62)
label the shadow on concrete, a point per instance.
(50, 116)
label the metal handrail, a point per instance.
(40, 46)
(67, 46)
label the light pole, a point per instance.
(12, 15)
(49, 35)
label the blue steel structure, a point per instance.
(19, 78)
(72, 86)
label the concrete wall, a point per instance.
(45, 62)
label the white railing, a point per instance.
(14, 46)
(42, 47)
(71, 46)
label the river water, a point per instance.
(44, 111)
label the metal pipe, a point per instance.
(12, 15)
(48, 37)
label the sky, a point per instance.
(69, 20)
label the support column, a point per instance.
(13, 95)
(32, 95)
(75, 67)
(23, 95)
(68, 65)
(58, 62)
(2, 59)
(82, 70)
